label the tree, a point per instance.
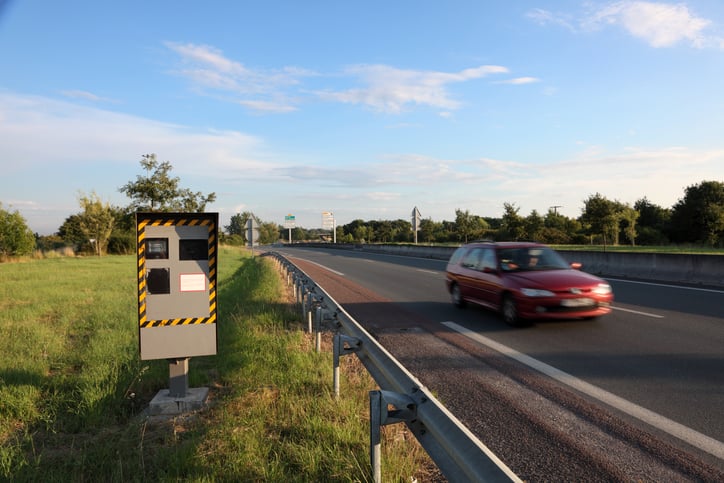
(16, 239)
(557, 229)
(383, 231)
(123, 238)
(96, 222)
(602, 217)
(534, 224)
(463, 224)
(269, 233)
(298, 234)
(237, 224)
(653, 223)
(513, 225)
(430, 230)
(699, 216)
(402, 231)
(158, 191)
(72, 234)
(629, 216)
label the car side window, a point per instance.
(457, 254)
(487, 260)
(471, 258)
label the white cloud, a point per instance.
(383, 88)
(659, 24)
(269, 106)
(389, 89)
(520, 81)
(257, 89)
(36, 131)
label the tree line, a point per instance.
(697, 218)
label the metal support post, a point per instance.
(405, 410)
(318, 329)
(309, 319)
(303, 297)
(341, 350)
(308, 310)
(178, 377)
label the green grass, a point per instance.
(73, 390)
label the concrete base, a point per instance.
(163, 404)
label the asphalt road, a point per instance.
(657, 360)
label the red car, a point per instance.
(525, 281)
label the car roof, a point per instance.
(505, 244)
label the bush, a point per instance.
(122, 244)
(16, 239)
(233, 240)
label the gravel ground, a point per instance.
(542, 430)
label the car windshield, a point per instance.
(524, 259)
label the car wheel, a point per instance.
(509, 311)
(456, 296)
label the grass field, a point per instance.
(73, 390)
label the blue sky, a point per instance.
(365, 109)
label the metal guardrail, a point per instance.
(459, 454)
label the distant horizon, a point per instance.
(226, 219)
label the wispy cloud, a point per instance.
(78, 134)
(520, 81)
(85, 95)
(257, 89)
(382, 88)
(657, 23)
(545, 17)
(269, 106)
(389, 89)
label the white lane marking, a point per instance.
(322, 266)
(684, 433)
(647, 314)
(683, 287)
(432, 272)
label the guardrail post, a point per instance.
(309, 309)
(305, 297)
(376, 435)
(341, 350)
(318, 328)
(405, 410)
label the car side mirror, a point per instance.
(576, 265)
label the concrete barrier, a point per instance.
(664, 267)
(661, 267)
